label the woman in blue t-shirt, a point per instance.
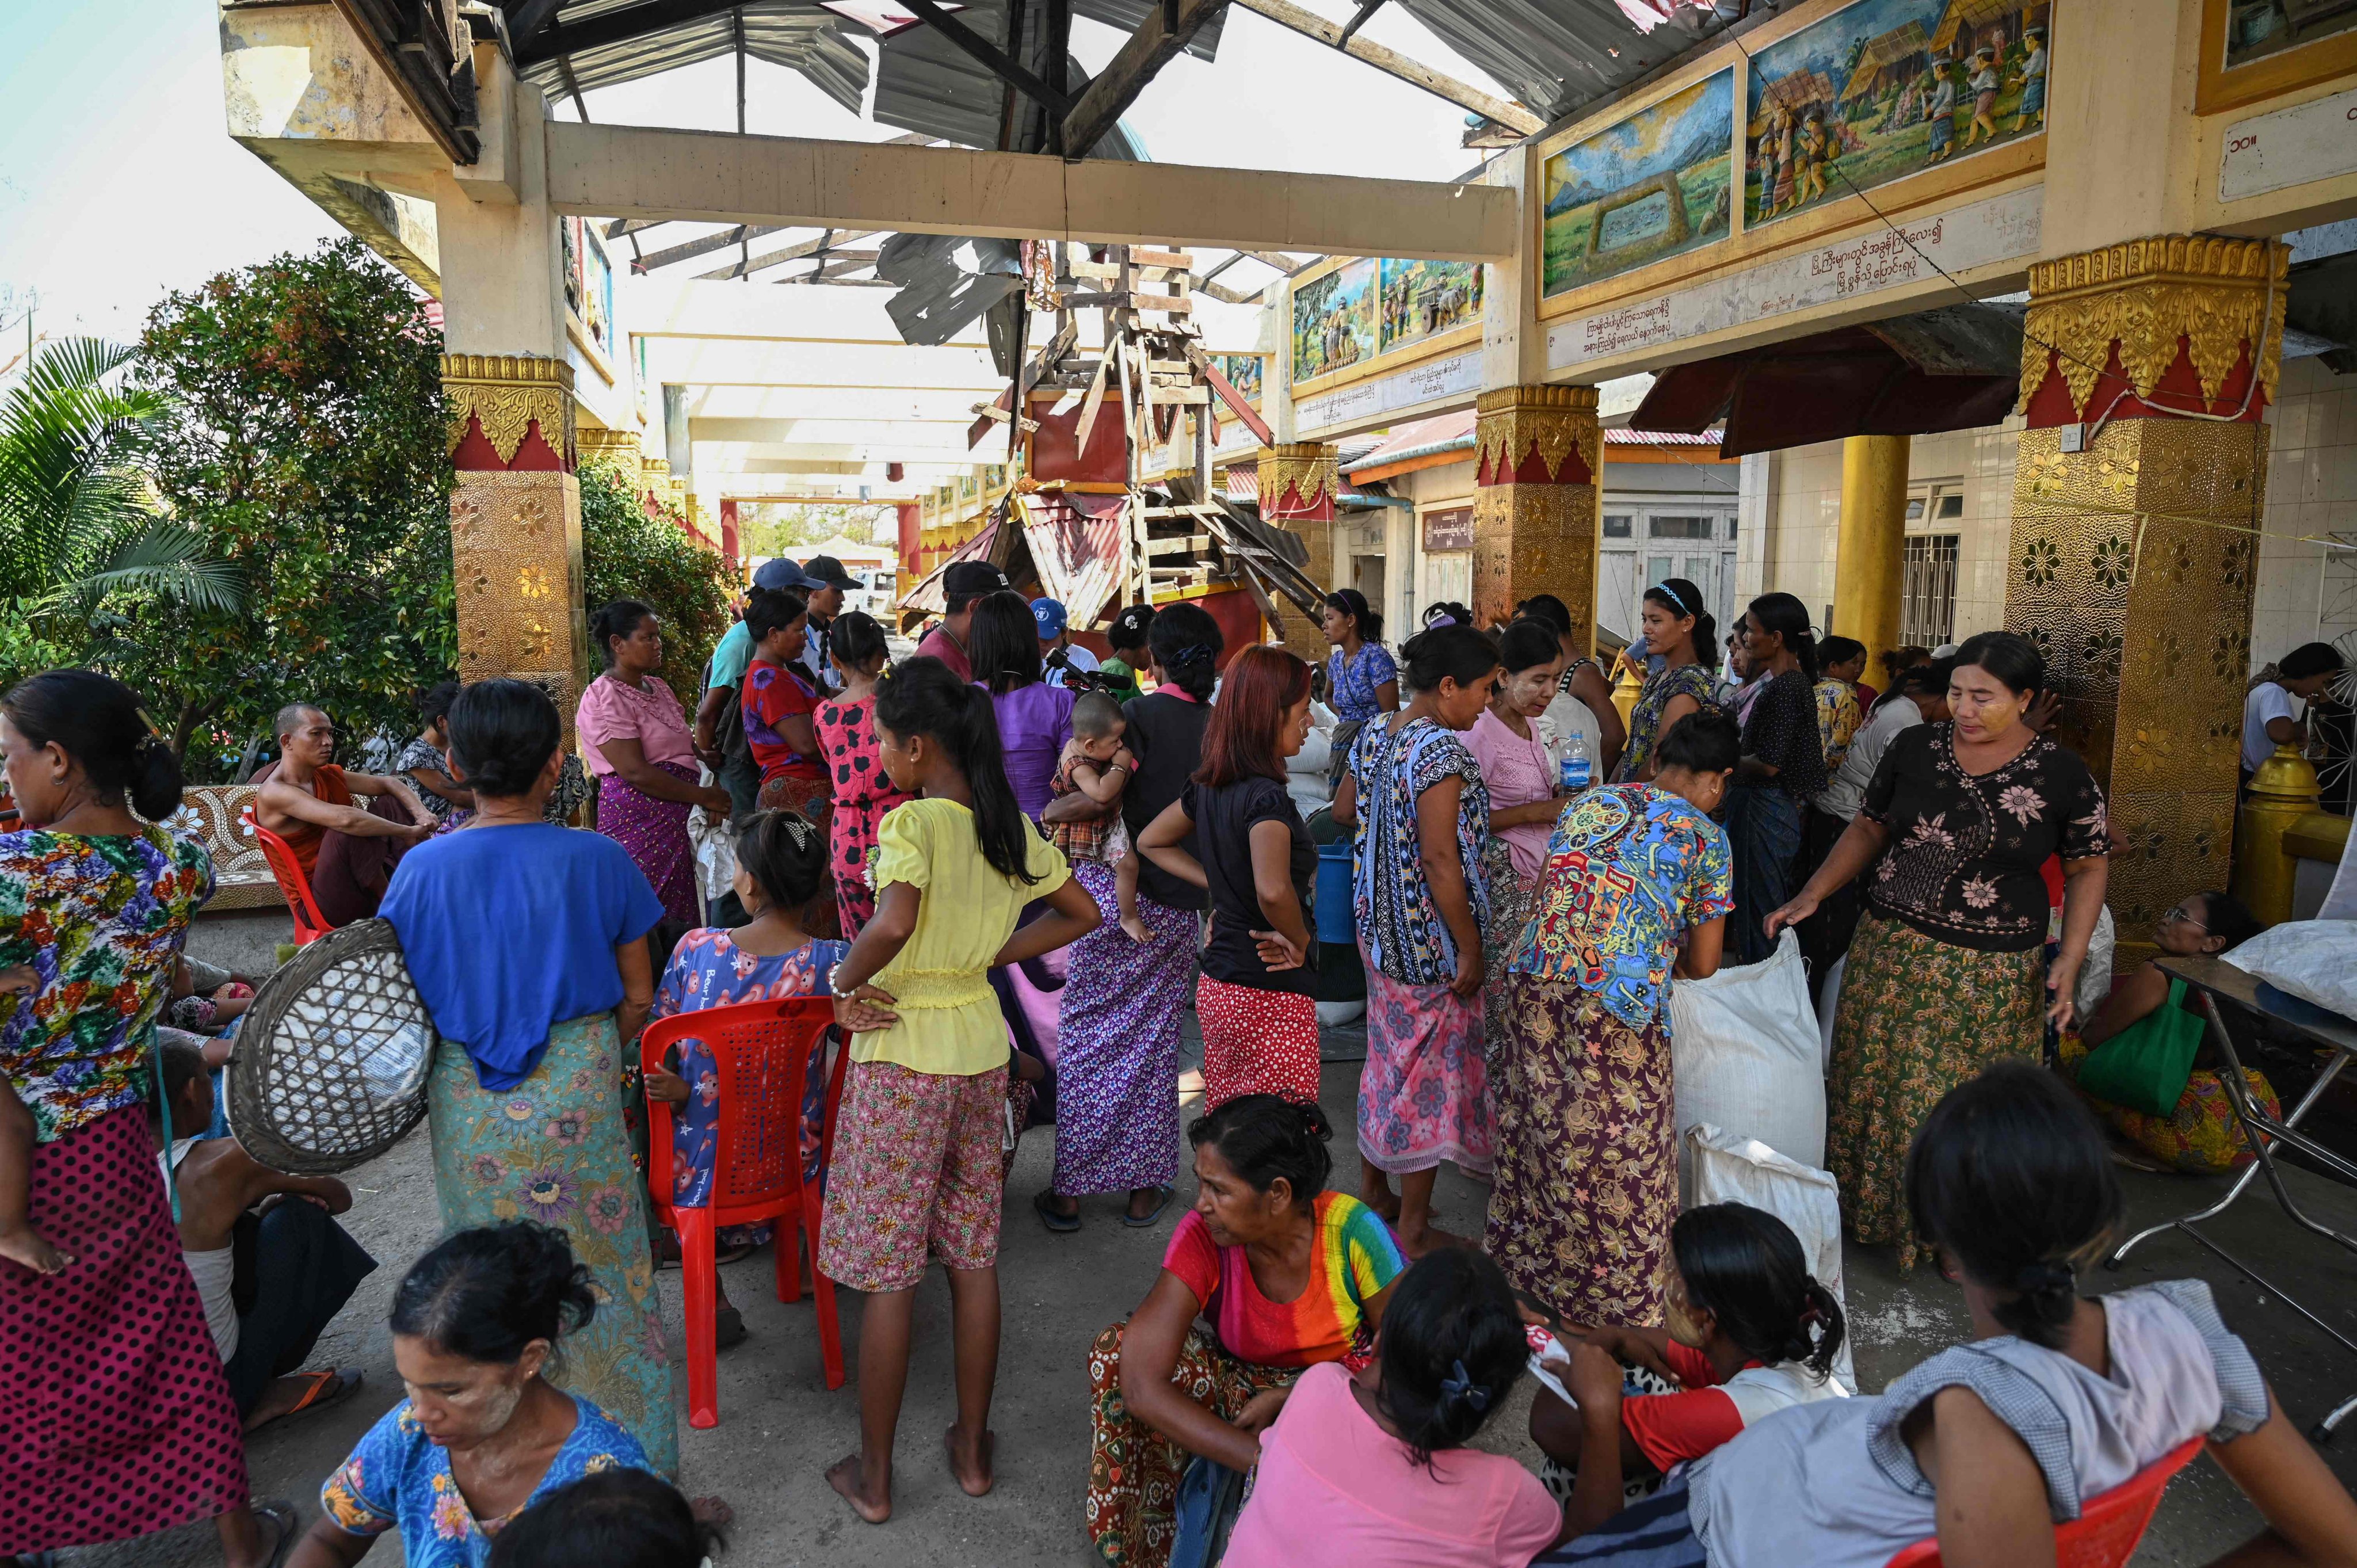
(1362, 679)
(528, 943)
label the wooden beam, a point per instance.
(614, 27)
(1350, 28)
(988, 55)
(526, 18)
(793, 252)
(706, 246)
(644, 172)
(1229, 395)
(1310, 23)
(1166, 31)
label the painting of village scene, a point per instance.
(1334, 320)
(2258, 28)
(1885, 88)
(1649, 186)
(1243, 373)
(1424, 299)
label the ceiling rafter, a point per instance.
(706, 246)
(989, 55)
(562, 38)
(1161, 37)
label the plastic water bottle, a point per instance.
(1578, 763)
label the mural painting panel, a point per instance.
(1425, 299)
(1651, 186)
(1888, 88)
(1334, 320)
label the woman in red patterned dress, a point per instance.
(846, 745)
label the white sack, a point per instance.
(1829, 1004)
(1729, 1168)
(1743, 1046)
(2315, 960)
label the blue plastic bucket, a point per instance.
(1337, 922)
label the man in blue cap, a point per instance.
(1059, 654)
(719, 734)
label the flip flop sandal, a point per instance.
(1062, 1224)
(1153, 1216)
(280, 1512)
(734, 1254)
(326, 1388)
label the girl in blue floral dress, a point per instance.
(782, 865)
(483, 1434)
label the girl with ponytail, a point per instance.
(1749, 1331)
(781, 866)
(1377, 1468)
(2057, 1399)
(926, 1090)
(1783, 766)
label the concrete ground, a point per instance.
(780, 1427)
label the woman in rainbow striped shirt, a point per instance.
(1289, 1276)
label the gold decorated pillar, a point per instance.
(2132, 558)
(616, 448)
(1297, 481)
(1537, 452)
(1870, 551)
(515, 523)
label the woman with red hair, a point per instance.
(1259, 1021)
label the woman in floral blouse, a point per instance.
(1636, 885)
(1945, 976)
(1415, 794)
(120, 1418)
(483, 1434)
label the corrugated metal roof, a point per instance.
(927, 594)
(927, 83)
(1075, 542)
(1441, 433)
(795, 33)
(1558, 56)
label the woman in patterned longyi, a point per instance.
(1634, 888)
(118, 1419)
(1943, 977)
(1416, 796)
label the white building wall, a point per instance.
(2306, 587)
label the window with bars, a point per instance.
(1927, 614)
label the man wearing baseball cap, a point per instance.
(1059, 654)
(961, 585)
(825, 604)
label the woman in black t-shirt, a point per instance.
(1948, 974)
(1259, 1023)
(1783, 764)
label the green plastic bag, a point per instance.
(2145, 1066)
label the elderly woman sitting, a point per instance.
(1289, 1274)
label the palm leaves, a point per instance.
(75, 524)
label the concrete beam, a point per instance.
(636, 172)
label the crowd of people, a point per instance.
(1014, 867)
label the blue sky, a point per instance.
(117, 182)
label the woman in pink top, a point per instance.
(1526, 797)
(1373, 1470)
(634, 736)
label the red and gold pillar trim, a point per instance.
(515, 522)
(2133, 553)
(1298, 482)
(1537, 454)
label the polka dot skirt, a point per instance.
(115, 1417)
(1257, 1042)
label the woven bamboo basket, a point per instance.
(331, 1062)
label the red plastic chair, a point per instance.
(2105, 1533)
(763, 1052)
(309, 924)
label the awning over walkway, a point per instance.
(1955, 369)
